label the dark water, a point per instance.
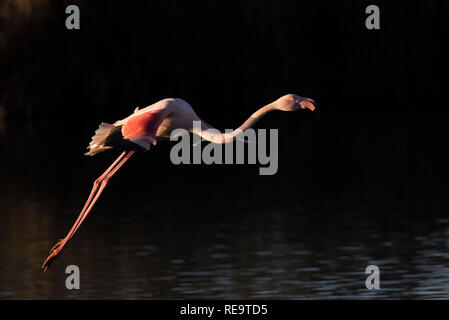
(274, 253)
(163, 247)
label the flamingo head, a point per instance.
(293, 102)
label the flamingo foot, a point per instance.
(54, 252)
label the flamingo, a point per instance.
(144, 127)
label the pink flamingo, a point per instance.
(141, 129)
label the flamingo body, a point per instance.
(145, 126)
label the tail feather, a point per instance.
(98, 140)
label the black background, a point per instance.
(378, 143)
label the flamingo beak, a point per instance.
(309, 104)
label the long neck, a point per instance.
(217, 137)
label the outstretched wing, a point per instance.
(142, 128)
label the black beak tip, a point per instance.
(317, 110)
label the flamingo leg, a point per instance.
(95, 187)
(103, 185)
(98, 187)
